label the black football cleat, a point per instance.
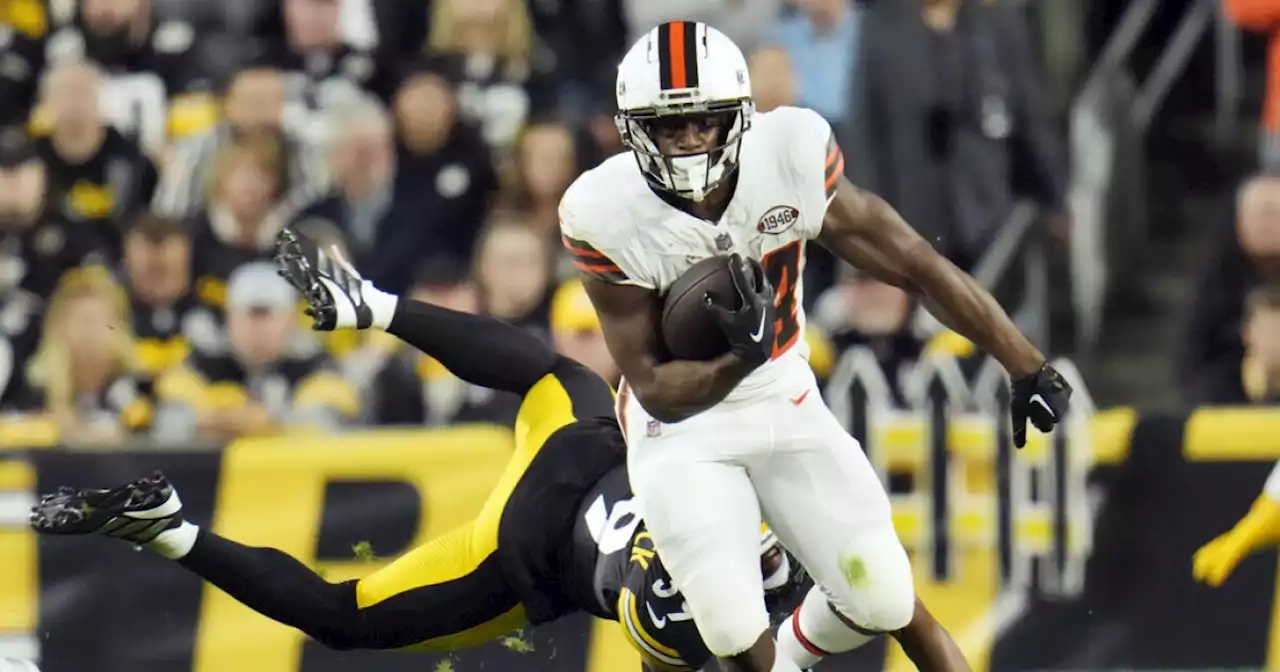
(135, 512)
(333, 290)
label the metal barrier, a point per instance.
(1108, 122)
(1033, 506)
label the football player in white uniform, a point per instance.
(716, 445)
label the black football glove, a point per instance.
(749, 328)
(1043, 398)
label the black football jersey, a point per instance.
(628, 582)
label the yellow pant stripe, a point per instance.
(488, 631)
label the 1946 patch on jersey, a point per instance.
(779, 218)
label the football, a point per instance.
(689, 330)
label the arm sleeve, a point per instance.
(596, 253)
(480, 350)
(816, 160)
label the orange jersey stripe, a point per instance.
(834, 174)
(579, 251)
(596, 268)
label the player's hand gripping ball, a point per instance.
(719, 305)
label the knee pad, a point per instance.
(877, 591)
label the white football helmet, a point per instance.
(684, 68)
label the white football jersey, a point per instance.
(620, 231)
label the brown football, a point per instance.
(689, 329)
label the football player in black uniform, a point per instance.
(559, 533)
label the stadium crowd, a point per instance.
(152, 149)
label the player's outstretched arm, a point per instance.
(669, 391)
(864, 230)
(1214, 563)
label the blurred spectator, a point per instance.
(322, 70)
(37, 244)
(821, 41)
(273, 375)
(246, 185)
(1263, 16)
(102, 176)
(384, 230)
(20, 313)
(514, 270)
(155, 90)
(948, 104)
(1260, 371)
(576, 333)
(488, 50)
(773, 79)
(860, 311)
(21, 58)
(546, 164)
(1249, 257)
(442, 166)
(167, 319)
(82, 373)
(746, 22)
(254, 106)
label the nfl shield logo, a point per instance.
(724, 242)
(652, 428)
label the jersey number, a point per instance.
(782, 267)
(612, 529)
(664, 591)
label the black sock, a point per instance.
(279, 587)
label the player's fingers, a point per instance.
(1221, 567)
(1019, 418)
(716, 309)
(742, 281)
(1205, 558)
(761, 281)
(1041, 416)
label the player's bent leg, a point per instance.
(821, 497)
(440, 594)
(814, 631)
(705, 522)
